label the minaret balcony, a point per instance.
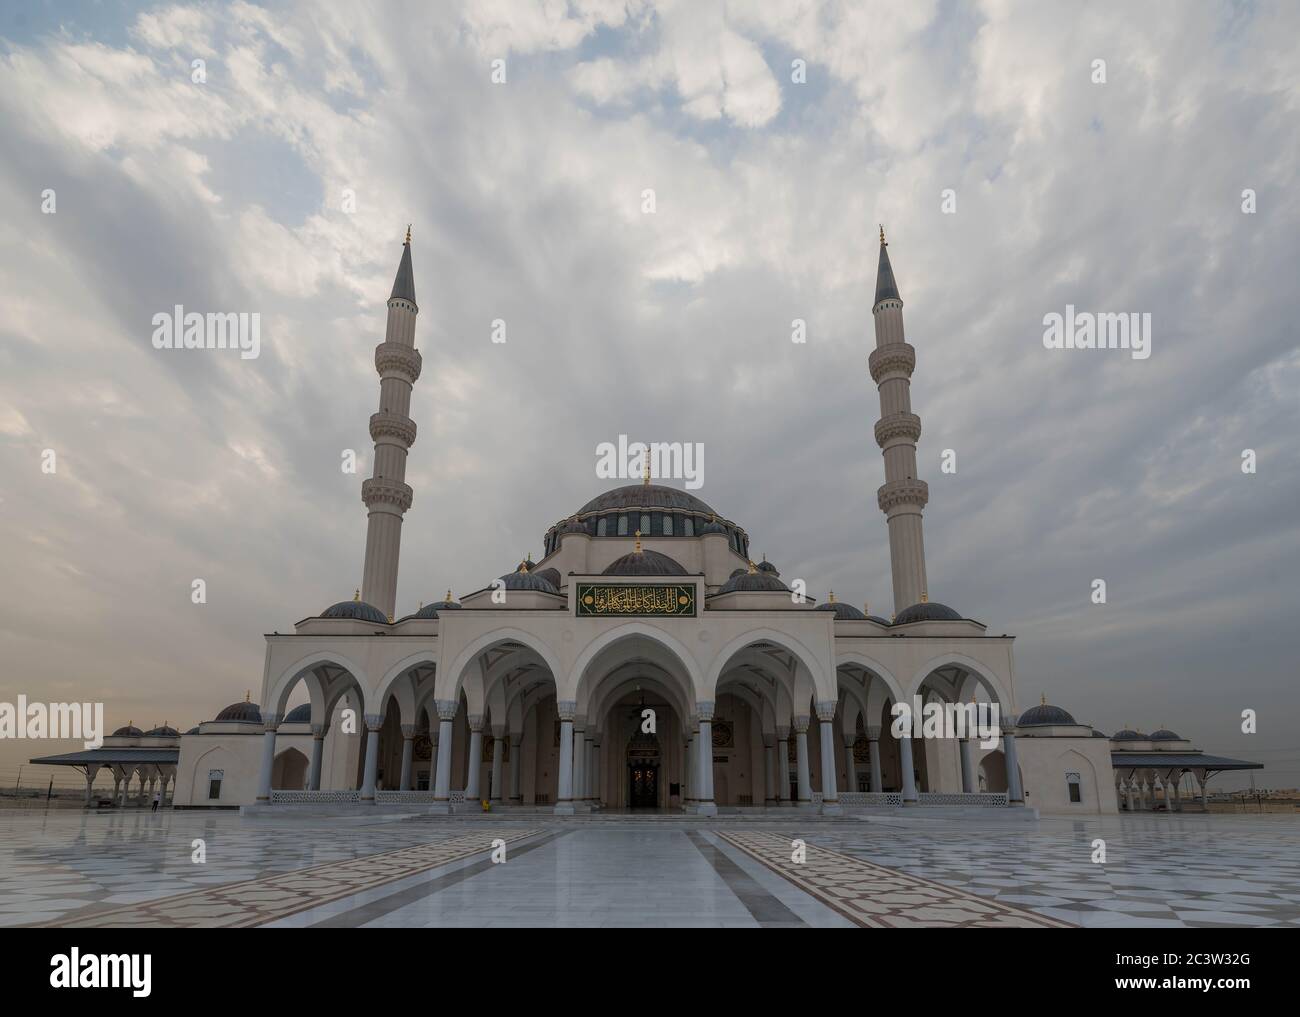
(380, 491)
(895, 359)
(396, 359)
(902, 492)
(392, 425)
(898, 427)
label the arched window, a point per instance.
(645, 523)
(600, 526)
(1074, 786)
(668, 525)
(622, 526)
(688, 526)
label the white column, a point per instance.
(374, 721)
(873, 749)
(769, 770)
(595, 780)
(91, 771)
(408, 755)
(692, 766)
(579, 761)
(317, 756)
(498, 762)
(475, 760)
(967, 766)
(269, 723)
(801, 759)
(704, 747)
(564, 795)
(850, 764)
(1015, 793)
(782, 765)
(446, 714)
(516, 753)
(1171, 792)
(830, 791)
(909, 773)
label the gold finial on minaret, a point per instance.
(248, 695)
(925, 598)
(447, 599)
(645, 479)
(408, 232)
(831, 597)
(357, 595)
(390, 619)
(882, 234)
(637, 548)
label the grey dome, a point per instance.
(843, 611)
(528, 581)
(1046, 715)
(573, 525)
(193, 730)
(645, 496)
(644, 563)
(552, 576)
(767, 566)
(300, 714)
(754, 582)
(162, 731)
(241, 713)
(1165, 735)
(927, 610)
(1128, 735)
(129, 731)
(713, 526)
(431, 610)
(356, 609)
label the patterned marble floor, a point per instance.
(136, 869)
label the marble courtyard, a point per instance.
(136, 869)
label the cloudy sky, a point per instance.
(526, 203)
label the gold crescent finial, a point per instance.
(248, 695)
(925, 598)
(523, 565)
(882, 234)
(390, 619)
(448, 598)
(830, 599)
(752, 567)
(357, 595)
(646, 478)
(408, 232)
(637, 549)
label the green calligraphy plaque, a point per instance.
(624, 600)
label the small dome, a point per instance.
(753, 582)
(644, 496)
(162, 731)
(528, 581)
(644, 563)
(431, 610)
(552, 576)
(712, 526)
(573, 525)
(843, 611)
(193, 730)
(927, 610)
(300, 714)
(1165, 735)
(1128, 735)
(1046, 715)
(130, 731)
(767, 566)
(355, 608)
(240, 713)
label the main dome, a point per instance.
(649, 496)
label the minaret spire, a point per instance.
(386, 494)
(903, 495)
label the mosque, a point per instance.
(645, 661)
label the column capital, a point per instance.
(704, 709)
(446, 708)
(801, 723)
(566, 708)
(409, 731)
(873, 734)
(270, 721)
(580, 722)
(769, 741)
(850, 739)
(318, 731)
(826, 711)
(374, 721)
(516, 739)
(475, 722)
(498, 731)
(782, 733)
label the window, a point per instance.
(645, 524)
(622, 526)
(688, 526)
(214, 784)
(668, 525)
(1074, 787)
(600, 527)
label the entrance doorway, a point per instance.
(643, 791)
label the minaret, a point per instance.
(903, 495)
(386, 494)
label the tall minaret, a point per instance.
(902, 496)
(386, 494)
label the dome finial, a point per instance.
(248, 695)
(523, 565)
(752, 567)
(925, 598)
(866, 607)
(447, 599)
(646, 476)
(1042, 699)
(357, 595)
(637, 548)
(408, 232)
(831, 597)
(882, 235)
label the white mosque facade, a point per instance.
(643, 661)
